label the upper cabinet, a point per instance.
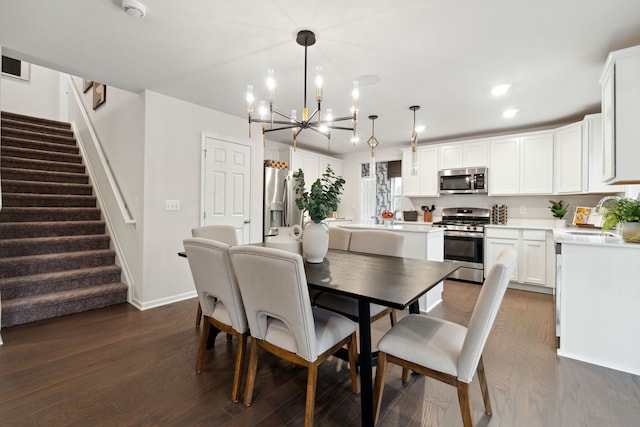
(570, 160)
(521, 164)
(423, 180)
(463, 155)
(620, 83)
(592, 134)
(312, 164)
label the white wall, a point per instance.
(39, 96)
(174, 131)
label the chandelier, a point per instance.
(317, 122)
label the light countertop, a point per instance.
(404, 226)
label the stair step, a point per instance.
(37, 136)
(8, 141)
(17, 230)
(47, 263)
(9, 123)
(37, 284)
(36, 187)
(35, 214)
(55, 244)
(41, 165)
(31, 119)
(30, 309)
(47, 200)
(43, 176)
(52, 156)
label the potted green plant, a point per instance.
(318, 201)
(625, 212)
(558, 210)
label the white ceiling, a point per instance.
(442, 55)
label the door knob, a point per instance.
(247, 221)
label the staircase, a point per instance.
(55, 257)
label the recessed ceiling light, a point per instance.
(500, 90)
(511, 112)
(134, 8)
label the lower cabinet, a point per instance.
(535, 255)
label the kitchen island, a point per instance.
(598, 297)
(421, 241)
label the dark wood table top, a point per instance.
(390, 281)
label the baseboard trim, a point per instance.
(145, 305)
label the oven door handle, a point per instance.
(469, 234)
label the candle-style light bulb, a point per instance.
(250, 99)
(319, 82)
(271, 86)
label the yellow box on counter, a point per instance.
(581, 217)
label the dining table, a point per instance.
(394, 282)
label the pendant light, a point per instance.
(414, 142)
(372, 142)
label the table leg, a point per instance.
(366, 374)
(414, 307)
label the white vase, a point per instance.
(630, 231)
(315, 242)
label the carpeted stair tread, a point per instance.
(9, 123)
(36, 214)
(54, 156)
(48, 200)
(31, 119)
(41, 165)
(15, 230)
(42, 263)
(38, 187)
(43, 176)
(30, 309)
(56, 244)
(34, 284)
(8, 141)
(39, 136)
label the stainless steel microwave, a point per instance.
(463, 181)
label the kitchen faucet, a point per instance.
(603, 200)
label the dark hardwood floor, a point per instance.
(122, 367)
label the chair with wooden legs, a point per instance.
(377, 242)
(283, 322)
(445, 350)
(220, 299)
(222, 233)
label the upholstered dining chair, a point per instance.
(339, 238)
(222, 233)
(283, 322)
(220, 299)
(377, 242)
(445, 350)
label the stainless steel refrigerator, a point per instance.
(279, 208)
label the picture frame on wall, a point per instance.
(86, 85)
(99, 94)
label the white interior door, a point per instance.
(227, 185)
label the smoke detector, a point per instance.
(134, 8)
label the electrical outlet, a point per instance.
(172, 205)
(523, 210)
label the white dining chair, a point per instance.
(339, 238)
(377, 242)
(281, 320)
(222, 233)
(444, 350)
(220, 299)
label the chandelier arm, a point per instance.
(339, 128)
(280, 122)
(293, 126)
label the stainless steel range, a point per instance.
(464, 240)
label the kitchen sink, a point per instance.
(592, 233)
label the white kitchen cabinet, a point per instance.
(504, 169)
(425, 181)
(592, 134)
(536, 163)
(521, 164)
(312, 164)
(535, 249)
(620, 84)
(463, 155)
(570, 160)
